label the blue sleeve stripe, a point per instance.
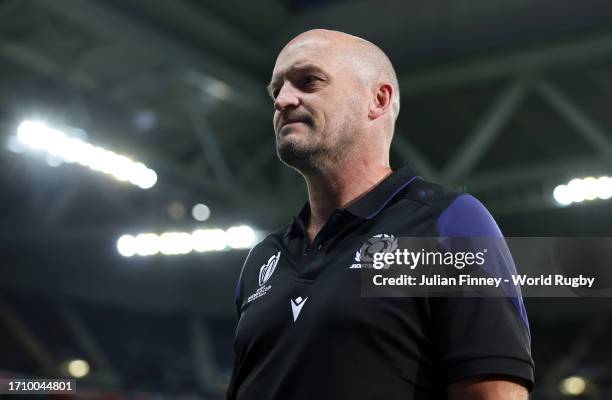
(468, 217)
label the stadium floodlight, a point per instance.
(209, 240)
(200, 212)
(172, 243)
(77, 368)
(587, 189)
(39, 136)
(573, 386)
(240, 237)
(176, 243)
(126, 245)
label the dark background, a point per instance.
(506, 99)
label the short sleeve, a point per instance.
(480, 336)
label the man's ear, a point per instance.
(382, 100)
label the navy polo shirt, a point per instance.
(305, 331)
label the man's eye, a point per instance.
(308, 79)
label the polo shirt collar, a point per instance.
(379, 197)
(371, 203)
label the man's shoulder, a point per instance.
(437, 198)
(266, 253)
(266, 247)
(274, 238)
(456, 212)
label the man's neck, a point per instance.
(330, 190)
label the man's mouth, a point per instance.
(292, 121)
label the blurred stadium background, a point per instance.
(507, 99)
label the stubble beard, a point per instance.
(299, 156)
(315, 156)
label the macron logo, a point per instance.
(296, 306)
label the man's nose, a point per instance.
(286, 98)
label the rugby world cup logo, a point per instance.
(381, 243)
(266, 270)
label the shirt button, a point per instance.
(320, 246)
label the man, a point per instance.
(304, 330)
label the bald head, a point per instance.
(367, 60)
(336, 98)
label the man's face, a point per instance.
(318, 102)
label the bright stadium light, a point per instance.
(603, 187)
(209, 240)
(171, 243)
(577, 190)
(562, 195)
(176, 243)
(77, 368)
(573, 386)
(200, 212)
(240, 237)
(587, 189)
(63, 148)
(147, 244)
(126, 245)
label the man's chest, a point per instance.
(317, 299)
